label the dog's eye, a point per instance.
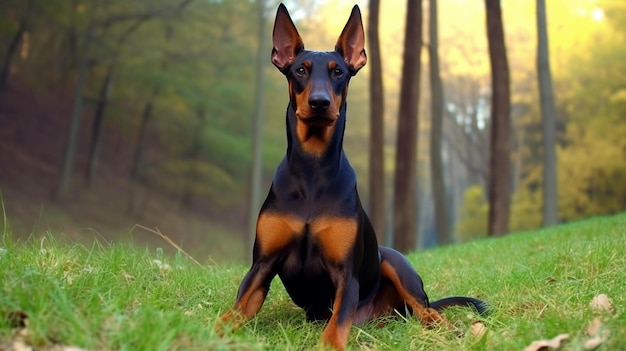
(337, 73)
(300, 71)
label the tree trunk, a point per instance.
(436, 162)
(517, 165)
(13, 45)
(137, 163)
(405, 182)
(192, 157)
(96, 134)
(377, 135)
(257, 130)
(499, 168)
(548, 119)
(146, 117)
(67, 165)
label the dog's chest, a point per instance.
(304, 273)
(315, 192)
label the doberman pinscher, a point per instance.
(312, 230)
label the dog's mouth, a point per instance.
(318, 121)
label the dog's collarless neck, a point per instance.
(316, 147)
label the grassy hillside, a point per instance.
(539, 284)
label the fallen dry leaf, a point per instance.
(594, 326)
(597, 333)
(18, 320)
(602, 303)
(18, 345)
(478, 329)
(66, 348)
(553, 343)
(593, 343)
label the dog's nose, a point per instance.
(319, 102)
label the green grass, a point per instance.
(539, 284)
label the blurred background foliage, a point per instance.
(162, 94)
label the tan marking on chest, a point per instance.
(274, 231)
(335, 235)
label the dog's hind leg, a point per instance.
(407, 287)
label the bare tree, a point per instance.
(192, 154)
(376, 154)
(548, 119)
(464, 137)
(14, 44)
(136, 167)
(95, 145)
(405, 181)
(257, 130)
(97, 127)
(83, 62)
(67, 165)
(436, 100)
(499, 168)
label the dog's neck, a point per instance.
(331, 154)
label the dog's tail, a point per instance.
(480, 306)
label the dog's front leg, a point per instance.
(250, 297)
(337, 238)
(344, 307)
(274, 232)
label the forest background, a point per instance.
(118, 113)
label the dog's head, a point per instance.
(318, 80)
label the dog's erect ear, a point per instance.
(351, 42)
(287, 41)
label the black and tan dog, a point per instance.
(312, 230)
